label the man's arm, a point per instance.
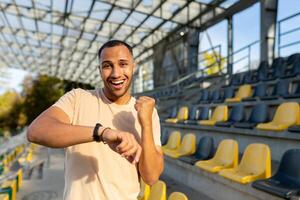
(151, 161)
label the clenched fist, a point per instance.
(144, 106)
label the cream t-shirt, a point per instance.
(93, 171)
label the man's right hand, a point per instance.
(123, 143)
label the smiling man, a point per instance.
(110, 138)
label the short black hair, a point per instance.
(113, 43)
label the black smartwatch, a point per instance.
(96, 136)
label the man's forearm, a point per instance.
(151, 160)
(55, 134)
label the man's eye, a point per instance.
(105, 66)
(124, 64)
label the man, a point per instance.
(111, 139)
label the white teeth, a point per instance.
(118, 82)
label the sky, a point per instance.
(246, 30)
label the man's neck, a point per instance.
(118, 100)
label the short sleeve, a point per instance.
(67, 103)
(156, 128)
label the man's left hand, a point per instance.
(144, 106)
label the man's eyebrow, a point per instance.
(106, 61)
(122, 60)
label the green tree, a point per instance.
(40, 94)
(214, 63)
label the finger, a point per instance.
(130, 152)
(137, 155)
(125, 145)
(123, 142)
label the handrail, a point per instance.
(285, 33)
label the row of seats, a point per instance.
(280, 68)
(255, 165)
(13, 163)
(247, 92)
(287, 115)
(158, 191)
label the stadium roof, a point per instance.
(61, 38)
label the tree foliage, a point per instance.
(214, 63)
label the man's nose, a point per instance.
(116, 72)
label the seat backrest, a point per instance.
(204, 95)
(158, 191)
(203, 114)
(173, 113)
(278, 67)
(220, 113)
(193, 113)
(235, 80)
(174, 140)
(296, 66)
(248, 76)
(259, 113)
(177, 196)
(244, 91)
(256, 159)
(188, 144)
(228, 92)
(205, 148)
(183, 113)
(262, 71)
(289, 164)
(287, 113)
(227, 152)
(297, 90)
(236, 113)
(281, 88)
(215, 95)
(260, 90)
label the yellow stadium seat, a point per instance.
(243, 92)
(4, 197)
(19, 178)
(287, 114)
(220, 114)
(177, 196)
(182, 115)
(173, 141)
(158, 191)
(12, 184)
(145, 191)
(255, 164)
(227, 156)
(187, 147)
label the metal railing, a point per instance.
(282, 33)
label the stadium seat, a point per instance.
(204, 95)
(144, 192)
(177, 196)
(286, 182)
(216, 96)
(236, 114)
(226, 156)
(204, 151)
(287, 114)
(228, 93)
(173, 141)
(293, 65)
(248, 78)
(234, 80)
(295, 93)
(294, 129)
(186, 148)
(244, 91)
(202, 115)
(258, 114)
(220, 114)
(158, 191)
(9, 187)
(255, 164)
(173, 112)
(181, 115)
(193, 115)
(262, 72)
(280, 89)
(260, 90)
(278, 67)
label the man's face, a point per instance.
(116, 69)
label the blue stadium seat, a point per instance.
(248, 77)
(228, 92)
(280, 89)
(216, 96)
(260, 90)
(295, 94)
(286, 182)
(204, 151)
(262, 72)
(236, 115)
(293, 66)
(259, 114)
(193, 116)
(278, 69)
(202, 114)
(204, 95)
